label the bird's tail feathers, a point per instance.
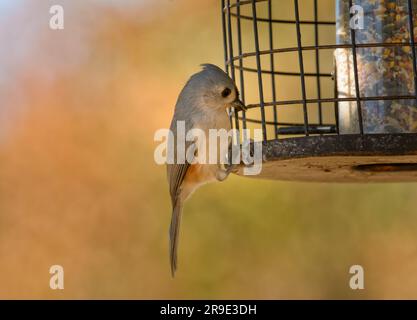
(174, 234)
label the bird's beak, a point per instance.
(238, 105)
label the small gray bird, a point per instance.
(202, 104)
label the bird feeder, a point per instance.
(380, 71)
(331, 83)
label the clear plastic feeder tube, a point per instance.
(382, 71)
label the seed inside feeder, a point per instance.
(382, 71)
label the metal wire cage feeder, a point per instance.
(336, 101)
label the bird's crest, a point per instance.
(210, 67)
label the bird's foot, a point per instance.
(225, 170)
(232, 168)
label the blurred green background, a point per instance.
(79, 186)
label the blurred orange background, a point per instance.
(79, 186)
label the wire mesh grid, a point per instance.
(281, 55)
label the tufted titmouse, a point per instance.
(202, 104)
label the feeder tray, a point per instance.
(341, 158)
(357, 112)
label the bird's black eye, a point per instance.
(226, 92)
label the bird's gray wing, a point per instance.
(176, 172)
(176, 175)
